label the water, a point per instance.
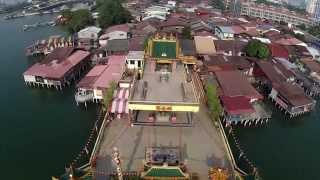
(285, 149)
(41, 130)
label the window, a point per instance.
(139, 64)
(132, 62)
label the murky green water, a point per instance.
(286, 149)
(41, 130)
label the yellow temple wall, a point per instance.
(161, 107)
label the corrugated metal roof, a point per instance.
(57, 68)
(233, 84)
(204, 45)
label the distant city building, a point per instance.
(313, 8)
(275, 1)
(224, 32)
(274, 13)
(234, 6)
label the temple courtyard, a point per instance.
(201, 145)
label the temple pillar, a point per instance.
(152, 65)
(130, 116)
(174, 66)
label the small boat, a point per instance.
(25, 27)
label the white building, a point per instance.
(160, 12)
(313, 8)
(114, 32)
(91, 32)
(172, 3)
(88, 37)
(135, 60)
(224, 32)
(278, 14)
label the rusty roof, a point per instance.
(233, 84)
(230, 45)
(293, 94)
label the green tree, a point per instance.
(257, 49)
(111, 12)
(77, 20)
(218, 4)
(315, 30)
(186, 33)
(108, 95)
(215, 108)
(302, 27)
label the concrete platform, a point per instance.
(201, 145)
(174, 89)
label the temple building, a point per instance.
(164, 172)
(165, 93)
(164, 51)
(164, 163)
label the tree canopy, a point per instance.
(77, 20)
(111, 12)
(186, 33)
(257, 49)
(219, 4)
(302, 26)
(213, 101)
(314, 30)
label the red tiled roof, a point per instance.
(237, 29)
(252, 32)
(230, 45)
(120, 27)
(205, 33)
(267, 69)
(56, 68)
(91, 77)
(293, 94)
(237, 105)
(271, 33)
(137, 43)
(149, 22)
(278, 50)
(233, 84)
(173, 21)
(283, 70)
(288, 41)
(218, 63)
(112, 73)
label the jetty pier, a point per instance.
(44, 47)
(36, 25)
